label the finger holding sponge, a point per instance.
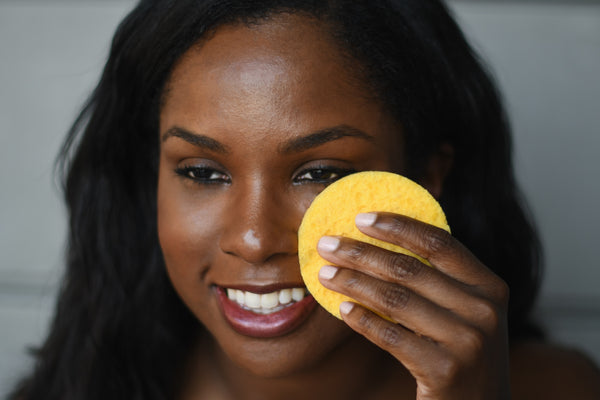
(333, 213)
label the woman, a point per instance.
(213, 127)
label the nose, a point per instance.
(260, 223)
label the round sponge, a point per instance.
(333, 211)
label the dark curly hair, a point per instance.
(120, 331)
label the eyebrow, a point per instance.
(323, 136)
(196, 139)
(295, 145)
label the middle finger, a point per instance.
(399, 269)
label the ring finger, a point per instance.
(392, 301)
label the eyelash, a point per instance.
(337, 173)
(210, 176)
(199, 174)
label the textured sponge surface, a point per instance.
(333, 211)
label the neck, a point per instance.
(354, 370)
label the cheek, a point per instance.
(187, 228)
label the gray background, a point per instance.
(544, 54)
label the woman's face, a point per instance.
(256, 122)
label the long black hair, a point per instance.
(119, 330)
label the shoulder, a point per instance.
(546, 371)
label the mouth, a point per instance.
(266, 303)
(261, 314)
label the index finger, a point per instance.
(433, 244)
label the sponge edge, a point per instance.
(333, 211)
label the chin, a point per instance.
(279, 357)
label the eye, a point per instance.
(322, 175)
(202, 174)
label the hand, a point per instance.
(450, 327)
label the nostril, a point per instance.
(255, 236)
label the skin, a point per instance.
(231, 198)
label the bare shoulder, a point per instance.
(547, 371)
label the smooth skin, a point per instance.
(451, 326)
(242, 156)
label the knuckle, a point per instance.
(398, 227)
(353, 282)
(473, 341)
(448, 369)
(355, 251)
(488, 314)
(395, 297)
(502, 292)
(365, 322)
(390, 336)
(401, 267)
(437, 240)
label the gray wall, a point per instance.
(546, 58)
(51, 53)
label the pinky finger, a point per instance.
(406, 346)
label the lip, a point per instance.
(271, 325)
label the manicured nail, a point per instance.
(327, 272)
(365, 219)
(346, 307)
(328, 243)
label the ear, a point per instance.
(439, 166)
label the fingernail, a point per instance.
(346, 307)
(365, 219)
(327, 272)
(328, 243)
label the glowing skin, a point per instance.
(256, 121)
(237, 174)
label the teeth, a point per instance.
(285, 296)
(268, 302)
(239, 296)
(232, 294)
(252, 300)
(297, 294)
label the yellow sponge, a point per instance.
(333, 211)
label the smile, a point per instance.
(266, 303)
(265, 315)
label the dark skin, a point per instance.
(236, 176)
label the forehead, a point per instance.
(281, 74)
